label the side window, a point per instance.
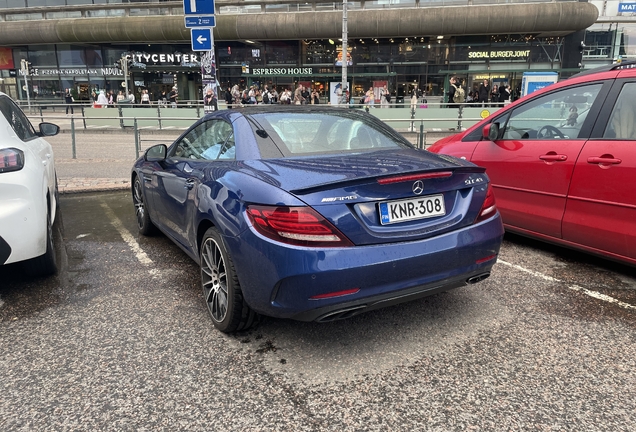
(622, 123)
(210, 140)
(16, 118)
(558, 115)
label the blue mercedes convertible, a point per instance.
(315, 213)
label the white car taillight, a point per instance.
(11, 159)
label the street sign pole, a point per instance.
(24, 66)
(200, 19)
(345, 57)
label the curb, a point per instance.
(78, 185)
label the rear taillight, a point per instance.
(489, 208)
(301, 226)
(11, 159)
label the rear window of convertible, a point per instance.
(317, 133)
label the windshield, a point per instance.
(323, 133)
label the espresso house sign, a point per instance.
(294, 71)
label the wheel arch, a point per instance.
(204, 225)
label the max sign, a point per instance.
(627, 7)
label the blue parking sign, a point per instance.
(201, 39)
(198, 7)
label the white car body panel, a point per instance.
(23, 196)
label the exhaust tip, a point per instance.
(478, 278)
(341, 314)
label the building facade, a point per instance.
(397, 43)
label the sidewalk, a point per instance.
(104, 157)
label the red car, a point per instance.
(562, 161)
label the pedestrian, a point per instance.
(236, 95)
(68, 100)
(273, 96)
(484, 92)
(369, 98)
(315, 97)
(120, 96)
(306, 95)
(173, 96)
(455, 93)
(298, 95)
(504, 94)
(210, 102)
(131, 97)
(494, 95)
(415, 93)
(102, 100)
(162, 101)
(145, 97)
(228, 98)
(385, 97)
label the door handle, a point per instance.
(189, 183)
(553, 157)
(604, 160)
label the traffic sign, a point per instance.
(200, 21)
(201, 39)
(198, 7)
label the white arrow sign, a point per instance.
(201, 39)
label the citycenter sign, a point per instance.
(163, 58)
(498, 54)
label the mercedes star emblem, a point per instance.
(418, 187)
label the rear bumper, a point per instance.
(349, 309)
(280, 280)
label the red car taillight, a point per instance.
(11, 159)
(301, 226)
(489, 207)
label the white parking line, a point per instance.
(588, 292)
(125, 234)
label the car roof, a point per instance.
(606, 68)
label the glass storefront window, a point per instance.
(42, 56)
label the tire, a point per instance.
(144, 224)
(45, 265)
(221, 290)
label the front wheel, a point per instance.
(221, 289)
(144, 224)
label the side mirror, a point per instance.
(491, 131)
(48, 129)
(156, 153)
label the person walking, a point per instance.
(173, 96)
(145, 97)
(68, 100)
(298, 95)
(456, 94)
(415, 95)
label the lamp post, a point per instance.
(344, 51)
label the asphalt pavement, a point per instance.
(100, 159)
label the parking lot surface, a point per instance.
(120, 340)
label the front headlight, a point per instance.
(11, 159)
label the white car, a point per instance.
(28, 191)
